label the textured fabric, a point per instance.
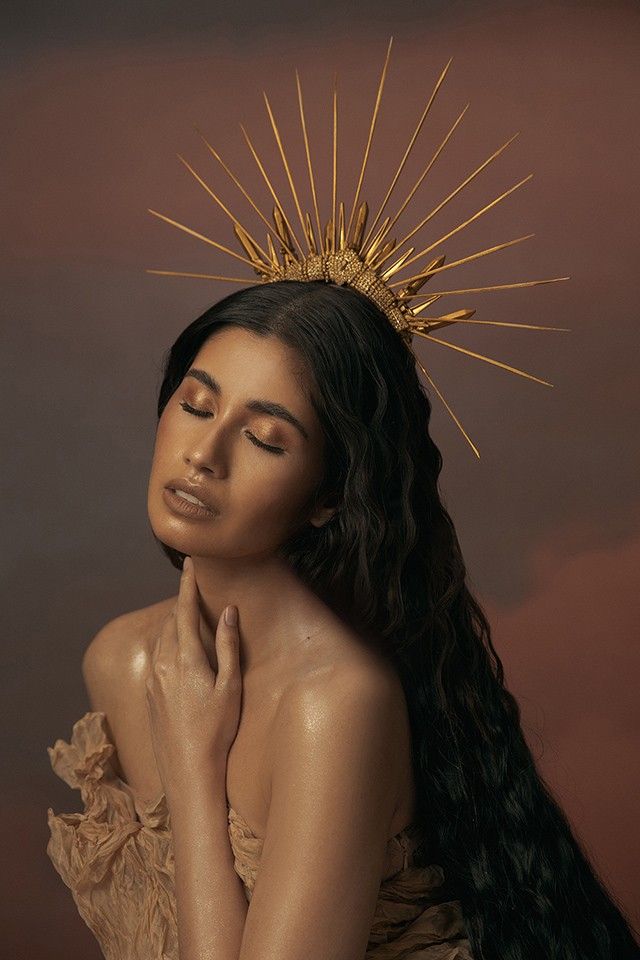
(116, 857)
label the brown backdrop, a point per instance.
(94, 112)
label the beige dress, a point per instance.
(116, 857)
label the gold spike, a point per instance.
(334, 239)
(475, 216)
(458, 189)
(329, 235)
(201, 276)
(271, 190)
(361, 221)
(246, 241)
(371, 129)
(416, 310)
(341, 226)
(200, 236)
(272, 253)
(395, 218)
(375, 243)
(480, 356)
(495, 286)
(285, 164)
(434, 323)
(235, 180)
(454, 317)
(310, 168)
(457, 421)
(220, 203)
(387, 248)
(412, 288)
(473, 256)
(396, 265)
(409, 148)
(283, 233)
(311, 240)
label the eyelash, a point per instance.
(205, 413)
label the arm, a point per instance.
(210, 898)
(333, 797)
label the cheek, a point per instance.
(274, 500)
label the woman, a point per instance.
(358, 697)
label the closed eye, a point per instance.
(206, 413)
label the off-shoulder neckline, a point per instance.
(149, 805)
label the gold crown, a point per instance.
(344, 255)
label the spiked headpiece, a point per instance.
(342, 254)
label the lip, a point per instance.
(184, 506)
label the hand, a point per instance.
(193, 711)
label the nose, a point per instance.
(197, 461)
(205, 452)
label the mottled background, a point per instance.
(97, 100)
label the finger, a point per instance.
(208, 640)
(167, 638)
(188, 613)
(228, 645)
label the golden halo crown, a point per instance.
(342, 254)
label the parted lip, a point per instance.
(195, 489)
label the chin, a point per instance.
(174, 532)
(163, 525)
(167, 537)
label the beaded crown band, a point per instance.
(343, 255)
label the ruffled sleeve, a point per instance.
(118, 865)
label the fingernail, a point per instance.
(186, 563)
(231, 615)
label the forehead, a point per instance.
(254, 366)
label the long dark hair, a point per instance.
(389, 561)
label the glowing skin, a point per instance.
(262, 496)
(321, 760)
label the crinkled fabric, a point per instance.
(116, 857)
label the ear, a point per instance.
(320, 517)
(323, 513)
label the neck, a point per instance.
(274, 606)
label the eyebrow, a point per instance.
(269, 407)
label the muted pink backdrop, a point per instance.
(549, 517)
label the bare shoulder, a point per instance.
(350, 678)
(118, 653)
(114, 667)
(354, 698)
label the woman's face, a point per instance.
(247, 390)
